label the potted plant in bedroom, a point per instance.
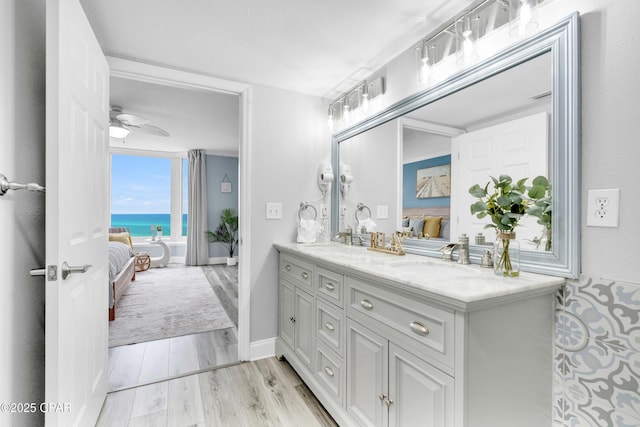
(226, 233)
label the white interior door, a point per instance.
(517, 148)
(76, 217)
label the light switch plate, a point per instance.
(382, 211)
(603, 208)
(274, 210)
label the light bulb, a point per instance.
(467, 47)
(525, 18)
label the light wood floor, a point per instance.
(148, 362)
(262, 393)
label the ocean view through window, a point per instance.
(142, 197)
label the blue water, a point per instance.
(140, 224)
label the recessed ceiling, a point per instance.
(308, 46)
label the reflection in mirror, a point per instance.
(497, 126)
(514, 114)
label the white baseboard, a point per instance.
(220, 260)
(262, 349)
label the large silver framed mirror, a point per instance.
(554, 104)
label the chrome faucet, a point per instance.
(345, 237)
(447, 251)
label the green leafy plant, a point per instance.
(541, 207)
(505, 205)
(226, 232)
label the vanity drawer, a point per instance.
(429, 326)
(296, 271)
(329, 325)
(329, 372)
(330, 285)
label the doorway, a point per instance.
(124, 69)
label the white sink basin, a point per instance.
(433, 270)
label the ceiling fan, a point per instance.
(120, 124)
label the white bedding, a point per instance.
(119, 255)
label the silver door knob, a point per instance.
(67, 270)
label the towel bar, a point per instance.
(6, 185)
(304, 206)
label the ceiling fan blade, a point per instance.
(152, 130)
(131, 119)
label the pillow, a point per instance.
(432, 226)
(405, 221)
(122, 238)
(417, 224)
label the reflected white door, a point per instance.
(76, 217)
(517, 148)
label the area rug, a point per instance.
(166, 302)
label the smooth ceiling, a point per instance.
(308, 46)
(194, 119)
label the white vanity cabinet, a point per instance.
(387, 385)
(383, 350)
(295, 311)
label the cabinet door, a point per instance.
(303, 330)
(286, 313)
(421, 394)
(367, 364)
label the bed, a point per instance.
(441, 212)
(121, 273)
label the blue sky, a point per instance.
(142, 185)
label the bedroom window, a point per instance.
(149, 191)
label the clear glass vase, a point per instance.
(506, 255)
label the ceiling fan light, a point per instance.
(116, 130)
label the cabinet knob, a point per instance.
(329, 286)
(419, 328)
(292, 319)
(329, 326)
(382, 397)
(287, 267)
(329, 371)
(305, 275)
(366, 304)
(388, 402)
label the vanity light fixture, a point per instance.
(461, 34)
(357, 99)
(116, 130)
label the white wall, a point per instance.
(22, 121)
(289, 140)
(374, 160)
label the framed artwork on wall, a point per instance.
(433, 182)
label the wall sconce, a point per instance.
(356, 99)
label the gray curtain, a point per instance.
(197, 244)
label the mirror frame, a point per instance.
(562, 40)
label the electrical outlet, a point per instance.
(603, 208)
(274, 210)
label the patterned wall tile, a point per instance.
(597, 353)
(609, 311)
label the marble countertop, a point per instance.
(464, 287)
